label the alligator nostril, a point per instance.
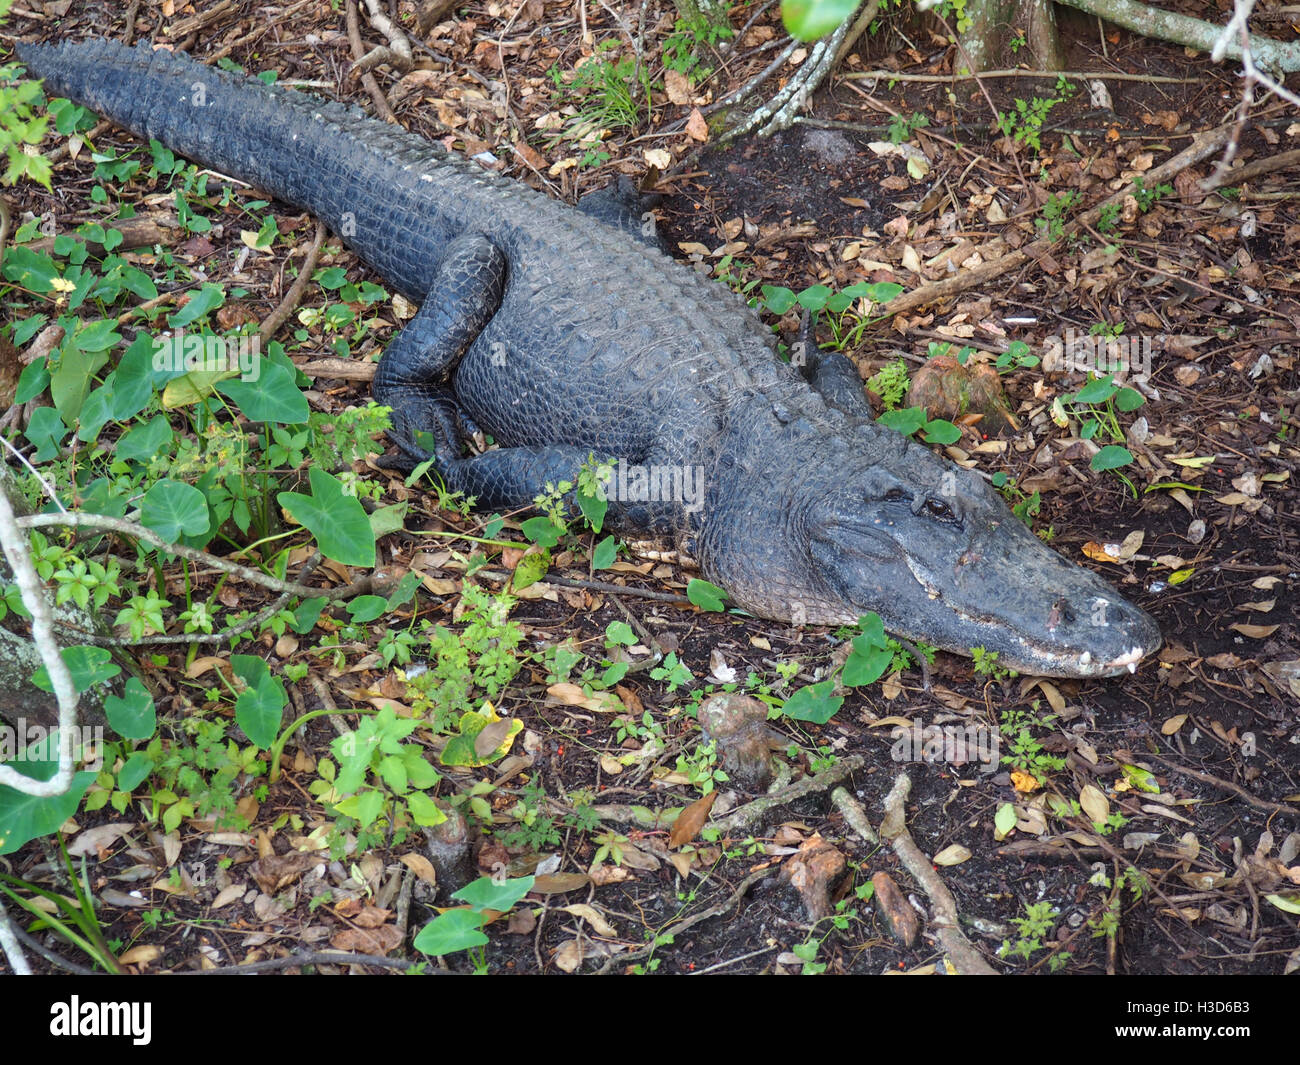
(1067, 614)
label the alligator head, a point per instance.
(884, 525)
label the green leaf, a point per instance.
(593, 508)
(34, 380)
(810, 19)
(134, 379)
(604, 554)
(865, 663)
(704, 595)
(814, 297)
(906, 421)
(1111, 457)
(132, 717)
(26, 817)
(777, 298)
(814, 702)
(1004, 821)
(306, 613)
(389, 519)
(365, 608)
(424, 810)
(143, 442)
(531, 569)
(273, 396)
(940, 431)
(208, 298)
(137, 767)
(337, 520)
(88, 665)
(1141, 779)
(364, 807)
(541, 531)
(172, 509)
(1097, 391)
(451, 931)
(45, 430)
(259, 709)
(620, 633)
(1127, 399)
(72, 380)
(501, 895)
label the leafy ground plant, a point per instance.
(461, 928)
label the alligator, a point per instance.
(567, 334)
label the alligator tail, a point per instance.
(318, 155)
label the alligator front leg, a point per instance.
(832, 374)
(624, 206)
(465, 294)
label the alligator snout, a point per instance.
(1098, 634)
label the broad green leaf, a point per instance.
(259, 709)
(1127, 399)
(906, 421)
(810, 19)
(1097, 391)
(365, 608)
(531, 569)
(45, 430)
(604, 554)
(172, 508)
(73, 379)
(424, 810)
(1111, 457)
(208, 298)
(940, 431)
(451, 931)
(705, 595)
(136, 769)
(385, 520)
(814, 702)
(134, 379)
(501, 895)
(143, 442)
(132, 716)
(337, 520)
(88, 665)
(25, 817)
(541, 531)
(272, 397)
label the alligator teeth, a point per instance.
(1130, 659)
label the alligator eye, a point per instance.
(894, 495)
(939, 511)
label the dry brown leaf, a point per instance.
(559, 883)
(953, 854)
(227, 895)
(1255, 632)
(372, 917)
(144, 954)
(367, 940)
(1094, 804)
(572, 695)
(593, 917)
(274, 872)
(1099, 552)
(696, 127)
(678, 87)
(691, 820)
